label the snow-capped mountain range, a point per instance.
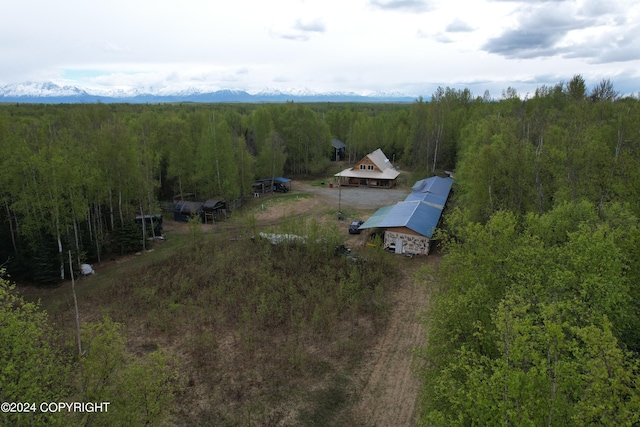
(51, 93)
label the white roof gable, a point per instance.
(380, 160)
(356, 173)
(387, 171)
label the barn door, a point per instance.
(399, 248)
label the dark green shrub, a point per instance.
(125, 239)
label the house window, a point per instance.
(362, 166)
(370, 167)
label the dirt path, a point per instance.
(389, 381)
(386, 382)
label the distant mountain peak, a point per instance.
(49, 92)
(39, 89)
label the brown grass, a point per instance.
(328, 366)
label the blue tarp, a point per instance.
(277, 179)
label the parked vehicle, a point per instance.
(280, 188)
(150, 221)
(354, 227)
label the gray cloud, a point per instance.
(442, 38)
(455, 26)
(300, 37)
(597, 8)
(412, 6)
(315, 26)
(538, 32)
(302, 30)
(620, 54)
(610, 47)
(626, 81)
(523, 43)
(458, 26)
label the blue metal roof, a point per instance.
(418, 216)
(434, 185)
(374, 220)
(420, 211)
(434, 199)
(337, 144)
(276, 179)
(433, 190)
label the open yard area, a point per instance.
(276, 343)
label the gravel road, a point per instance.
(355, 197)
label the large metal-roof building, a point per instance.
(409, 225)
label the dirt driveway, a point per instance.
(354, 197)
(355, 203)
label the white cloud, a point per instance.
(390, 45)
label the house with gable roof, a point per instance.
(374, 170)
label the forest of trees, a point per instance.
(72, 177)
(535, 306)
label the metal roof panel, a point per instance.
(374, 220)
(418, 216)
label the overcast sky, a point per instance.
(407, 46)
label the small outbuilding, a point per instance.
(268, 185)
(185, 210)
(339, 150)
(214, 209)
